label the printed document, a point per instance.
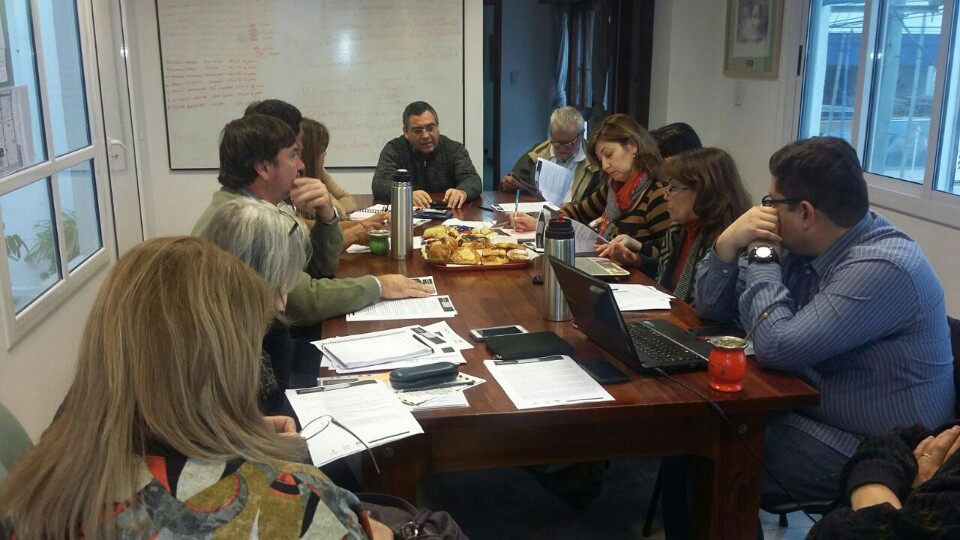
(554, 180)
(586, 238)
(639, 297)
(547, 383)
(371, 411)
(431, 307)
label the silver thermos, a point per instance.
(401, 216)
(559, 241)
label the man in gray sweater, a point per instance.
(436, 163)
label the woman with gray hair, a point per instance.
(276, 245)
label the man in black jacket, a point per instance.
(436, 163)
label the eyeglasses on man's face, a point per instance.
(566, 144)
(768, 200)
(429, 128)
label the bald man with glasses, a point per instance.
(565, 147)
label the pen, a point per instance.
(527, 360)
(337, 386)
(516, 204)
(444, 385)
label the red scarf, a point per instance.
(624, 196)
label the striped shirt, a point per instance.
(647, 219)
(864, 323)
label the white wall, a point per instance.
(174, 199)
(528, 63)
(689, 86)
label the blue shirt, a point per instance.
(864, 323)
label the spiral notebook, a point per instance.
(375, 348)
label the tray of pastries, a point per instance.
(448, 248)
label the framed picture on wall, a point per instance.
(753, 38)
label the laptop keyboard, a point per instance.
(659, 348)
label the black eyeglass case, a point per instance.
(532, 345)
(413, 378)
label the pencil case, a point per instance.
(532, 345)
(412, 378)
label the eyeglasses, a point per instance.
(569, 144)
(671, 189)
(429, 128)
(768, 200)
(320, 423)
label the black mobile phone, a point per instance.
(604, 372)
(438, 205)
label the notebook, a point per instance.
(375, 348)
(641, 345)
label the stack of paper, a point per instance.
(587, 238)
(440, 347)
(375, 348)
(371, 411)
(554, 180)
(547, 382)
(431, 307)
(640, 297)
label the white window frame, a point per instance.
(17, 325)
(920, 201)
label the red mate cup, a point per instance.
(727, 363)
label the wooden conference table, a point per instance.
(651, 417)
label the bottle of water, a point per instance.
(401, 216)
(559, 241)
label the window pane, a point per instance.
(902, 96)
(31, 240)
(21, 140)
(81, 219)
(948, 172)
(833, 62)
(63, 68)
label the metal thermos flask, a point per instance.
(401, 216)
(558, 240)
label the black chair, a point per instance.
(820, 507)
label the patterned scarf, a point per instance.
(622, 197)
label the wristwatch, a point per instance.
(763, 254)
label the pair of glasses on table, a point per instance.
(316, 426)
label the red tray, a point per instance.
(473, 267)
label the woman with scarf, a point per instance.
(704, 196)
(630, 200)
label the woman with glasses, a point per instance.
(160, 434)
(275, 245)
(316, 139)
(630, 199)
(704, 195)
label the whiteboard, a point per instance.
(351, 64)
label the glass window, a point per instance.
(948, 172)
(31, 238)
(833, 62)
(908, 44)
(21, 121)
(63, 70)
(81, 220)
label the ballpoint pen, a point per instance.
(441, 385)
(516, 205)
(527, 360)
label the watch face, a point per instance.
(763, 252)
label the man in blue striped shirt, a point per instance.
(854, 308)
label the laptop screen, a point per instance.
(595, 311)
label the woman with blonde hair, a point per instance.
(160, 434)
(630, 200)
(276, 245)
(704, 196)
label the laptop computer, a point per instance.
(643, 345)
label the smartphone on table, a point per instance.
(481, 334)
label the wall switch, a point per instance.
(738, 93)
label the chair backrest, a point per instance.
(14, 442)
(954, 325)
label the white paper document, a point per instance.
(422, 397)
(363, 350)
(546, 383)
(431, 307)
(454, 222)
(369, 212)
(554, 180)
(525, 207)
(372, 411)
(586, 237)
(428, 281)
(452, 338)
(454, 358)
(358, 248)
(640, 297)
